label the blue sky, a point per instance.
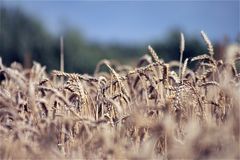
(136, 22)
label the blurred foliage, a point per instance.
(24, 37)
(21, 35)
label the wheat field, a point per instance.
(153, 110)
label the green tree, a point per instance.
(20, 35)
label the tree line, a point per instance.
(24, 38)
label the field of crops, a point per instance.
(147, 111)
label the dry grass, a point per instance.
(144, 113)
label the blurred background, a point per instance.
(31, 30)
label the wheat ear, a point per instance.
(153, 54)
(208, 42)
(182, 47)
